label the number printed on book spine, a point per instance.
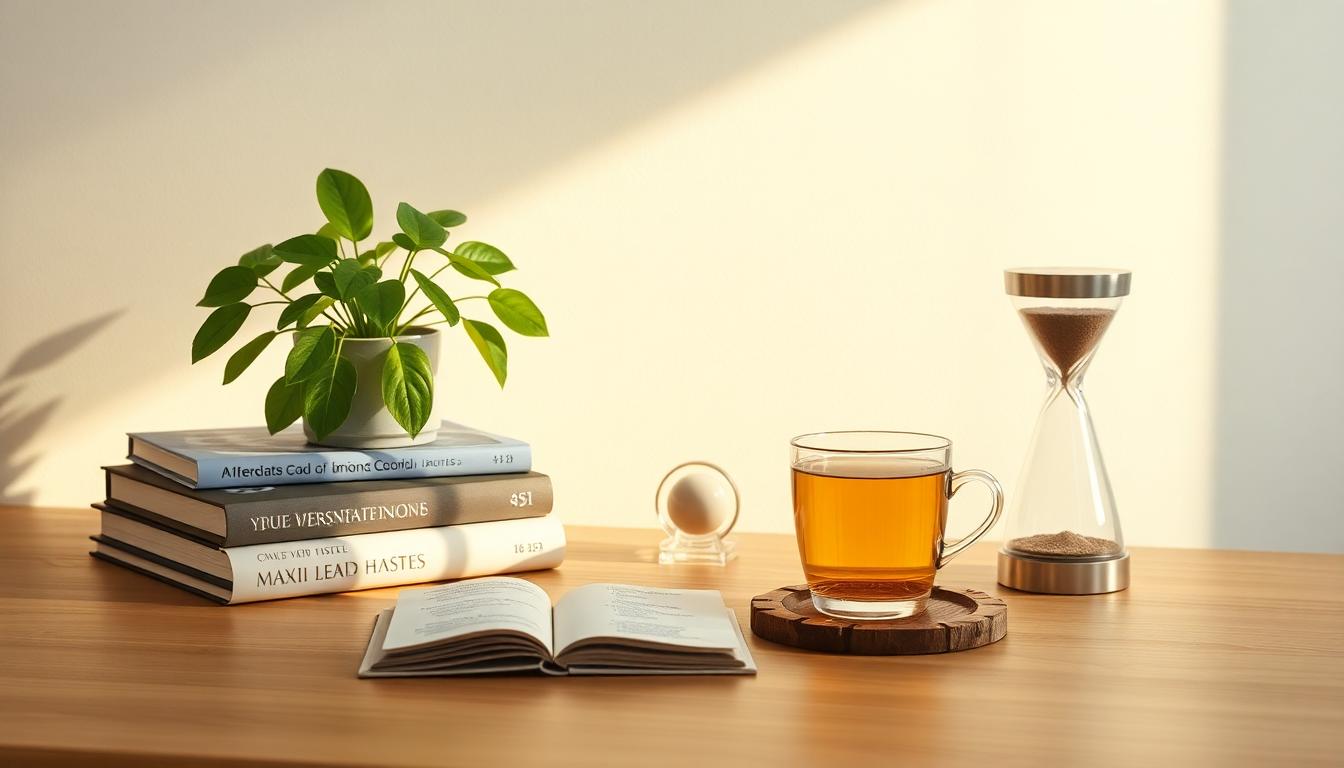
(475, 500)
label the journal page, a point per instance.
(685, 618)
(478, 606)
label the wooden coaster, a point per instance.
(956, 620)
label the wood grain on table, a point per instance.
(1210, 658)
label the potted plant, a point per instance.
(365, 346)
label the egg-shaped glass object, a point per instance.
(697, 505)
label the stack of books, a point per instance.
(238, 515)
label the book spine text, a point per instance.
(338, 466)
(500, 497)
(340, 564)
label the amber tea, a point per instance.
(870, 509)
(870, 528)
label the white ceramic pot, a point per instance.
(369, 424)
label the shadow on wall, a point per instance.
(1279, 413)
(20, 424)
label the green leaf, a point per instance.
(518, 312)
(408, 386)
(402, 241)
(345, 202)
(438, 297)
(307, 249)
(232, 284)
(296, 309)
(327, 397)
(262, 260)
(217, 329)
(344, 273)
(350, 277)
(326, 283)
(490, 258)
(469, 268)
(382, 301)
(491, 346)
(423, 231)
(284, 405)
(382, 249)
(245, 355)
(447, 218)
(312, 351)
(299, 275)
(322, 305)
(368, 258)
(329, 231)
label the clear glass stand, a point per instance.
(707, 550)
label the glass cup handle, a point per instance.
(952, 548)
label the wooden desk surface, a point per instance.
(1211, 657)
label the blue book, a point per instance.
(249, 457)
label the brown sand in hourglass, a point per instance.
(1067, 334)
(1064, 544)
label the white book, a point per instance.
(333, 564)
(501, 624)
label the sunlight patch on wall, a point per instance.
(814, 242)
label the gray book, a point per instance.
(244, 516)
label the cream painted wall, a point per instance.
(744, 220)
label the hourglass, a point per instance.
(1062, 532)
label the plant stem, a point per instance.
(428, 309)
(271, 285)
(407, 302)
(432, 275)
(406, 268)
(351, 315)
(335, 320)
(345, 320)
(361, 327)
(402, 327)
(264, 303)
(336, 358)
(356, 320)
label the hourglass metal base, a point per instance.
(1054, 576)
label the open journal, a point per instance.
(502, 624)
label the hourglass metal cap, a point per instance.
(1067, 282)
